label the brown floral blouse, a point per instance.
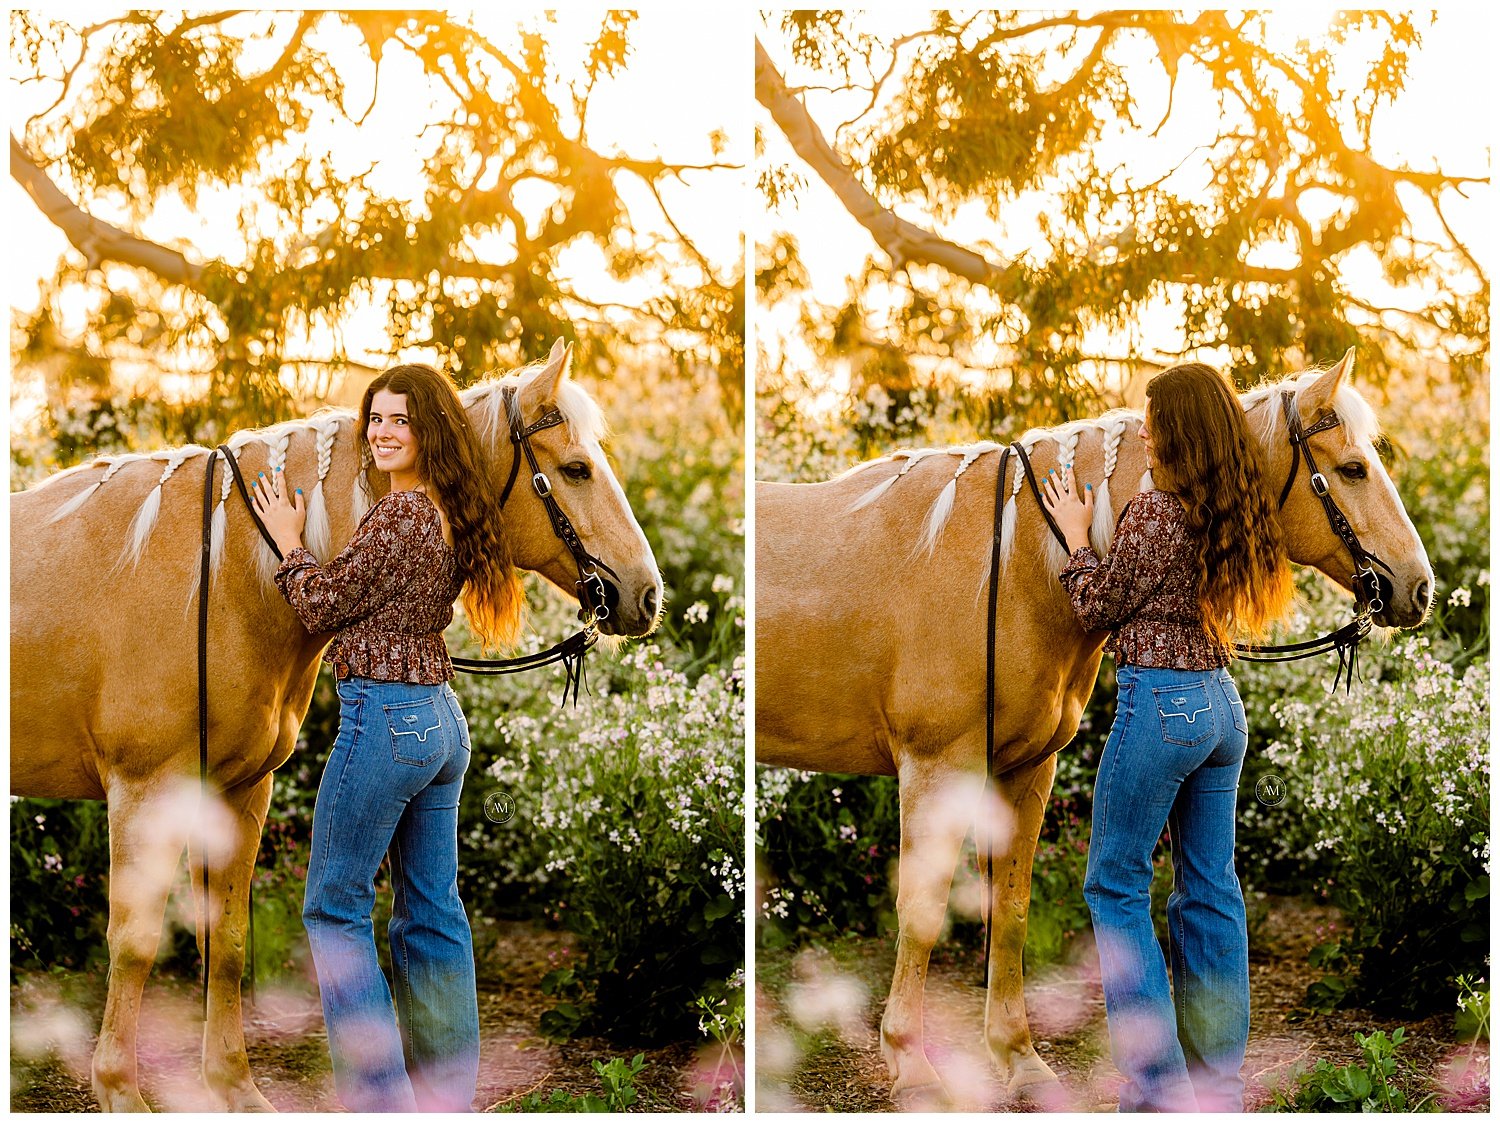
(389, 595)
(1146, 590)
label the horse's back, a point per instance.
(858, 635)
(104, 647)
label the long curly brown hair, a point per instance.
(451, 467)
(1205, 455)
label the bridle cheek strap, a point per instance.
(590, 585)
(1365, 580)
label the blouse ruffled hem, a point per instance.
(391, 657)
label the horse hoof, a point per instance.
(121, 1101)
(1043, 1095)
(1027, 1070)
(247, 1099)
(922, 1097)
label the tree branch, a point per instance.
(903, 241)
(96, 239)
(1462, 249)
(67, 78)
(299, 33)
(99, 241)
(692, 249)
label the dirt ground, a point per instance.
(55, 1020)
(817, 1043)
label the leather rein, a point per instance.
(570, 652)
(1370, 590)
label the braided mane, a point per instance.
(484, 401)
(1359, 420)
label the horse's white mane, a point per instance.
(484, 401)
(1359, 420)
(585, 420)
(1360, 423)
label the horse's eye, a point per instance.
(578, 471)
(1353, 471)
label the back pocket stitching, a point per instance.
(1190, 718)
(391, 711)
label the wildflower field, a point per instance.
(607, 902)
(1362, 840)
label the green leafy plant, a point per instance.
(1393, 785)
(616, 1080)
(628, 824)
(1473, 1019)
(1370, 1086)
(721, 1084)
(828, 847)
(59, 852)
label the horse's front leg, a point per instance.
(239, 815)
(1006, 1030)
(149, 820)
(937, 804)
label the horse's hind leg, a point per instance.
(1006, 1030)
(148, 823)
(241, 814)
(936, 809)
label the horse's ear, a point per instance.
(541, 391)
(1319, 396)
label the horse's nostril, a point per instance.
(1422, 595)
(648, 604)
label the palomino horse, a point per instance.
(104, 574)
(870, 653)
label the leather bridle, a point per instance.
(592, 595)
(1367, 583)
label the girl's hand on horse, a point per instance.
(1071, 510)
(281, 509)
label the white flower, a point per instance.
(1459, 596)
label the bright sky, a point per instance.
(673, 94)
(1438, 122)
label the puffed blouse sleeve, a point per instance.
(1107, 593)
(379, 561)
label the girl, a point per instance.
(1191, 564)
(392, 782)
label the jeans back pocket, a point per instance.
(1236, 707)
(1187, 716)
(416, 731)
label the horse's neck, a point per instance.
(335, 499)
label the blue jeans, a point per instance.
(390, 789)
(1173, 758)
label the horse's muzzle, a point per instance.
(1409, 611)
(624, 619)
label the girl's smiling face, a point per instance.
(392, 442)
